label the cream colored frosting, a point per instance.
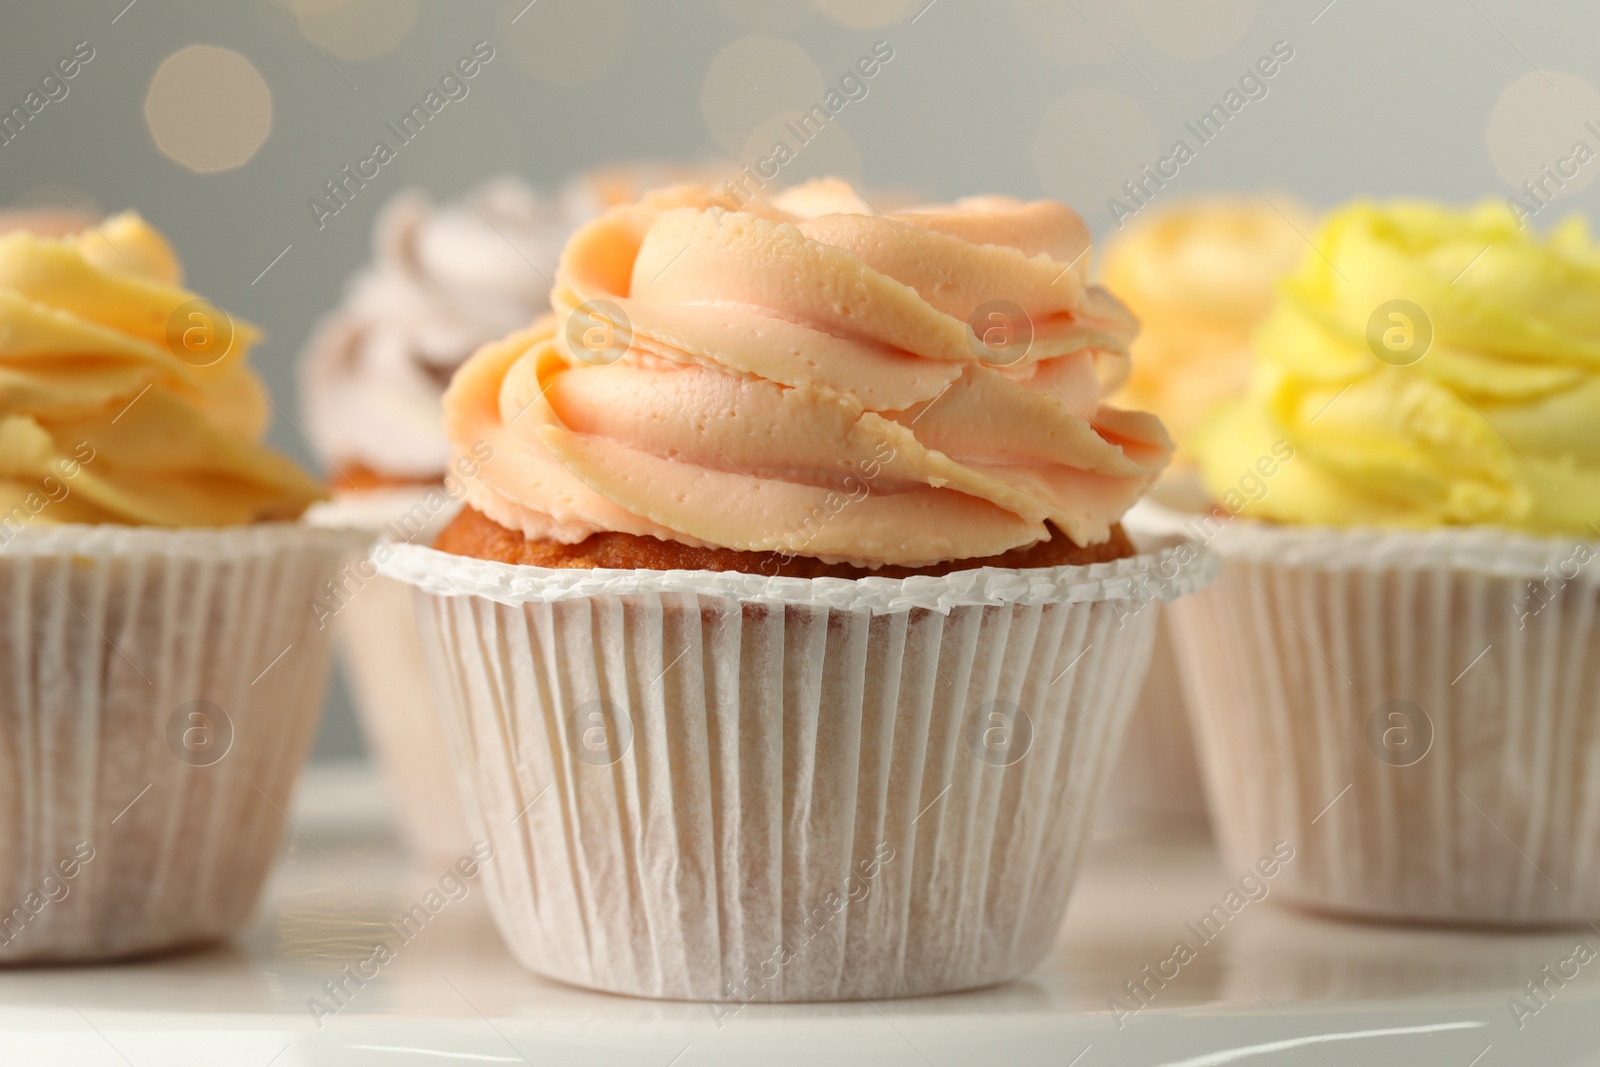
(800, 376)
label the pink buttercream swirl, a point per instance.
(721, 377)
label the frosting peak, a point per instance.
(804, 376)
(124, 398)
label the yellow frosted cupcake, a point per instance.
(1399, 669)
(163, 670)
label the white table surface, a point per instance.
(1276, 987)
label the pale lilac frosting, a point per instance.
(445, 279)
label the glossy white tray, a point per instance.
(1273, 987)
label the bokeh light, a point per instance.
(1535, 124)
(208, 108)
(767, 16)
(355, 29)
(570, 42)
(1072, 34)
(869, 14)
(828, 151)
(1194, 29)
(752, 79)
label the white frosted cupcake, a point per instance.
(1200, 275)
(1396, 672)
(779, 646)
(163, 672)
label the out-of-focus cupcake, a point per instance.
(445, 279)
(1200, 275)
(163, 672)
(43, 222)
(780, 645)
(1399, 670)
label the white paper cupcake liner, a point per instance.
(728, 787)
(1396, 707)
(375, 625)
(158, 692)
(1155, 784)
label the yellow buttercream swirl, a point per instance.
(803, 376)
(103, 417)
(1484, 408)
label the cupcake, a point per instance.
(779, 644)
(163, 674)
(43, 222)
(1200, 275)
(1396, 672)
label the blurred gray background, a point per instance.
(1455, 99)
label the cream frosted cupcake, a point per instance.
(163, 674)
(1200, 275)
(1396, 672)
(779, 646)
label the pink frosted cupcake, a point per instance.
(779, 648)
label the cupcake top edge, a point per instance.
(1478, 550)
(802, 374)
(1425, 366)
(1134, 581)
(125, 398)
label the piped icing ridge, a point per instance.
(125, 398)
(1428, 366)
(801, 375)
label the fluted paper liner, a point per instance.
(1485, 807)
(377, 640)
(1155, 785)
(797, 793)
(129, 824)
